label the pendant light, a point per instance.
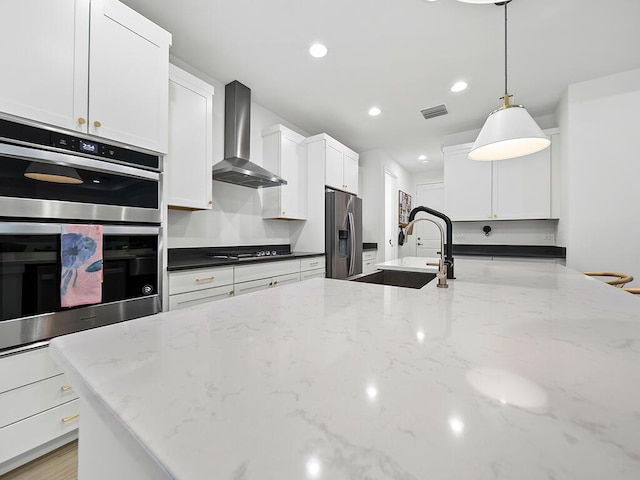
(509, 131)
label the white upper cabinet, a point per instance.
(128, 71)
(190, 160)
(283, 153)
(44, 48)
(514, 189)
(467, 186)
(95, 67)
(340, 162)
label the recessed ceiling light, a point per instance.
(425, 161)
(374, 111)
(422, 157)
(318, 50)
(459, 86)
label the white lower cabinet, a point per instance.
(312, 267)
(192, 287)
(252, 278)
(264, 283)
(189, 299)
(369, 261)
(38, 407)
(22, 437)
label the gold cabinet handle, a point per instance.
(66, 388)
(81, 121)
(210, 202)
(97, 124)
(275, 283)
(70, 418)
(205, 279)
(313, 263)
(232, 293)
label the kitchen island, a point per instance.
(516, 371)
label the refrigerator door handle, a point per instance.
(352, 253)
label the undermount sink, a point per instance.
(396, 278)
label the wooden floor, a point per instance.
(61, 464)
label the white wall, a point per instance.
(236, 216)
(603, 174)
(373, 164)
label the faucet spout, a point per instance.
(447, 251)
(442, 266)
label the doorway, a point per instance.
(427, 234)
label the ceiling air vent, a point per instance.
(433, 112)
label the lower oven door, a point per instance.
(30, 279)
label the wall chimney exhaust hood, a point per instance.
(236, 167)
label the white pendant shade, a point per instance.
(508, 133)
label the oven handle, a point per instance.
(32, 154)
(19, 228)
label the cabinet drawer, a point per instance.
(369, 255)
(246, 273)
(368, 266)
(26, 367)
(37, 430)
(23, 402)
(308, 274)
(264, 283)
(200, 279)
(285, 279)
(189, 299)
(312, 263)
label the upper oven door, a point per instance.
(87, 189)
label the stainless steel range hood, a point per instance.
(236, 167)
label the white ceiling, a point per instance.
(401, 55)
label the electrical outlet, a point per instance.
(548, 236)
(459, 236)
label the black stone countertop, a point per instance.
(191, 258)
(533, 251)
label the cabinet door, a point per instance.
(293, 196)
(467, 187)
(334, 174)
(188, 165)
(350, 171)
(44, 47)
(128, 72)
(522, 187)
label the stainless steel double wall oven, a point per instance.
(49, 178)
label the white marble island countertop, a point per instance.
(516, 371)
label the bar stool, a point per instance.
(619, 280)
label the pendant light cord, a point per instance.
(506, 91)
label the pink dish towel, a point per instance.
(81, 258)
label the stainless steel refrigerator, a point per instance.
(343, 234)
